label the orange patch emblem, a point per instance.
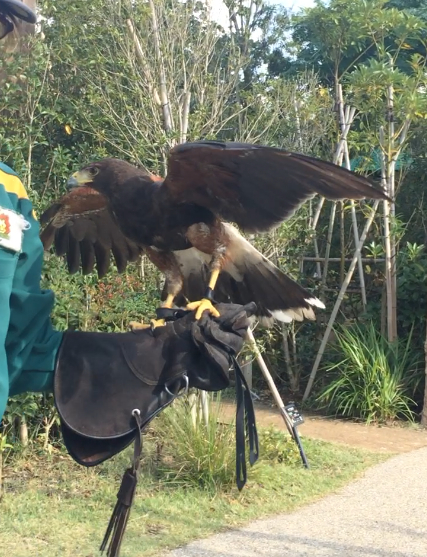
(4, 226)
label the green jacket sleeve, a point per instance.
(8, 261)
(28, 342)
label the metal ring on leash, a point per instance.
(180, 394)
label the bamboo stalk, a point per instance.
(345, 118)
(192, 401)
(339, 300)
(298, 124)
(348, 118)
(247, 370)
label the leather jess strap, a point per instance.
(245, 416)
(125, 496)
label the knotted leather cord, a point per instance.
(245, 415)
(118, 521)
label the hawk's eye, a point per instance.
(93, 171)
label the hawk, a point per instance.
(182, 222)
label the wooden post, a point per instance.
(192, 401)
(248, 371)
(276, 395)
(204, 405)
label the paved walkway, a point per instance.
(383, 514)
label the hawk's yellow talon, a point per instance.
(201, 306)
(157, 323)
(137, 326)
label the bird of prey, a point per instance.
(182, 222)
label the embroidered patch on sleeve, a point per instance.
(12, 226)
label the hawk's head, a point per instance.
(107, 175)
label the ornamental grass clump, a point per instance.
(196, 453)
(371, 377)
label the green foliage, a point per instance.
(370, 377)
(277, 446)
(338, 36)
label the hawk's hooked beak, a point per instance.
(79, 178)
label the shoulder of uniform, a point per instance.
(7, 170)
(11, 182)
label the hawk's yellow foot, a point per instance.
(137, 326)
(201, 306)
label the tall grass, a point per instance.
(203, 454)
(197, 454)
(372, 378)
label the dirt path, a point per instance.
(397, 439)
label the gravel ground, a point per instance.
(382, 514)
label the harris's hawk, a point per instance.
(178, 222)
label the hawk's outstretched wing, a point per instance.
(82, 229)
(254, 186)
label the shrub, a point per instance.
(371, 378)
(277, 446)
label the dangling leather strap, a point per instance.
(245, 415)
(170, 314)
(118, 521)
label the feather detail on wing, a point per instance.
(247, 276)
(81, 228)
(254, 186)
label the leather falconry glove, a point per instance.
(109, 386)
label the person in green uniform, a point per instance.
(29, 345)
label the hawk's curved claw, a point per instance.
(201, 306)
(137, 326)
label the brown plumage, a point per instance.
(81, 228)
(179, 221)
